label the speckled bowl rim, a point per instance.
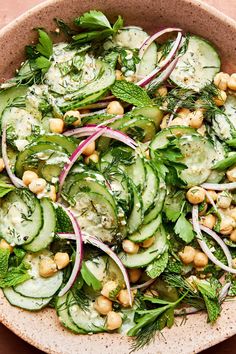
(219, 328)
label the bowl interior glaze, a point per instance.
(43, 329)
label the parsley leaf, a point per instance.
(131, 93)
(5, 188)
(89, 278)
(44, 47)
(4, 258)
(184, 229)
(157, 266)
(15, 276)
(43, 64)
(173, 205)
(93, 20)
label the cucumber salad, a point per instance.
(118, 178)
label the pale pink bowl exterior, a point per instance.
(43, 329)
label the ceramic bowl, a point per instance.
(42, 329)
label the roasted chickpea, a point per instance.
(37, 185)
(123, 298)
(4, 245)
(231, 174)
(89, 150)
(200, 260)
(61, 259)
(2, 165)
(224, 200)
(161, 91)
(75, 115)
(227, 225)
(212, 195)
(47, 267)
(232, 82)
(103, 305)
(234, 262)
(196, 119)
(94, 157)
(179, 121)
(114, 320)
(208, 221)
(52, 193)
(148, 242)
(115, 107)
(28, 177)
(130, 247)
(134, 274)
(183, 113)
(109, 288)
(196, 195)
(233, 236)
(187, 255)
(56, 125)
(220, 98)
(232, 213)
(221, 80)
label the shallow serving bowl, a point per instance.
(42, 329)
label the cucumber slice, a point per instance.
(136, 216)
(146, 231)
(198, 66)
(63, 314)
(20, 217)
(151, 189)
(153, 113)
(46, 234)
(96, 215)
(86, 102)
(38, 286)
(146, 256)
(137, 173)
(87, 318)
(198, 153)
(26, 303)
(65, 142)
(141, 129)
(50, 172)
(224, 125)
(7, 96)
(158, 205)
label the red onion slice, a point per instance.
(99, 244)
(212, 202)
(78, 254)
(73, 158)
(224, 292)
(164, 63)
(144, 285)
(107, 132)
(218, 186)
(203, 245)
(18, 183)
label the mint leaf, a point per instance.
(184, 229)
(4, 258)
(44, 47)
(158, 266)
(89, 278)
(93, 20)
(207, 290)
(118, 24)
(5, 188)
(43, 64)
(131, 93)
(15, 276)
(213, 308)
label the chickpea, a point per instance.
(89, 150)
(61, 259)
(134, 274)
(187, 255)
(4, 245)
(232, 213)
(220, 98)
(221, 80)
(178, 121)
(114, 320)
(183, 113)
(103, 305)
(196, 195)
(161, 91)
(28, 177)
(52, 193)
(232, 82)
(73, 114)
(231, 174)
(131, 78)
(234, 262)
(202, 211)
(164, 121)
(200, 260)
(148, 242)
(202, 130)
(196, 119)
(2, 165)
(37, 185)
(212, 195)
(115, 107)
(224, 200)
(56, 125)
(208, 221)
(94, 157)
(130, 247)
(147, 154)
(108, 288)
(227, 225)
(123, 298)
(47, 267)
(233, 236)
(119, 75)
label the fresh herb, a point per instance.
(5, 188)
(173, 204)
(64, 27)
(158, 266)
(44, 47)
(225, 163)
(131, 93)
(63, 221)
(89, 278)
(211, 300)
(4, 258)
(183, 228)
(15, 276)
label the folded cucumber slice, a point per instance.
(198, 66)
(146, 231)
(146, 256)
(65, 142)
(153, 113)
(20, 217)
(26, 303)
(157, 207)
(151, 189)
(7, 96)
(141, 129)
(224, 125)
(38, 286)
(136, 216)
(87, 318)
(63, 314)
(46, 234)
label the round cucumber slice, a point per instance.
(26, 303)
